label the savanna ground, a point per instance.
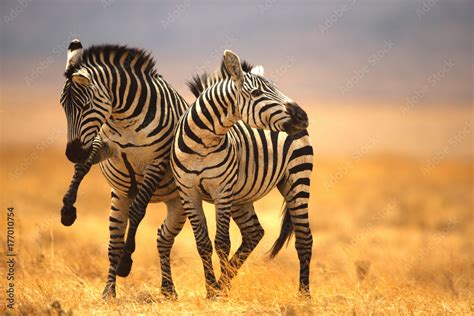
(391, 236)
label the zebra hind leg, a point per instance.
(296, 192)
(295, 188)
(304, 240)
(252, 232)
(117, 226)
(170, 228)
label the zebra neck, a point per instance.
(206, 124)
(217, 104)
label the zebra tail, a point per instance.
(286, 232)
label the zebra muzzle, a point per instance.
(76, 153)
(298, 119)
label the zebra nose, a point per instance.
(298, 115)
(75, 152)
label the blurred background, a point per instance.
(388, 87)
(400, 71)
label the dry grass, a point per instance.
(388, 239)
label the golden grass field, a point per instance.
(389, 239)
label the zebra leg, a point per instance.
(304, 239)
(252, 232)
(296, 192)
(68, 211)
(222, 240)
(170, 228)
(117, 226)
(192, 205)
(136, 214)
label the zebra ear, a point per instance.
(257, 70)
(233, 67)
(74, 53)
(81, 77)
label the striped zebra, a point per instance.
(217, 158)
(121, 114)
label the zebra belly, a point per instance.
(248, 187)
(124, 170)
(125, 182)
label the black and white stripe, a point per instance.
(121, 113)
(217, 156)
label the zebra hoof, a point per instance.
(167, 289)
(169, 293)
(224, 286)
(223, 292)
(304, 293)
(68, 215)
(213, 292)
(109, 292)
(124, 266)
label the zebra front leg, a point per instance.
(137, 212)
(192, 205)
(252, 232)
(117, 226)
(222, 240)
(68, 211)
(170, 228)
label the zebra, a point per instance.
(121, 114)
(217, 158)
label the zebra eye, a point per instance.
(256, 93)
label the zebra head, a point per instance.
(260, 103)
(85, 107)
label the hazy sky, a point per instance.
(335, 52)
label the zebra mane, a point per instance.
(199, 83)
(143, 57)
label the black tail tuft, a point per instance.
(285, 233)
